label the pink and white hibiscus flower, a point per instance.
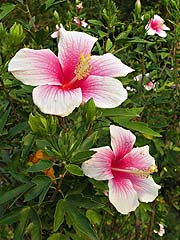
(64, 82)
(127, 169)
(156, 26)
(161, 231)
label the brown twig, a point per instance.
(151, 224)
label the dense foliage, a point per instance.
(43, 191)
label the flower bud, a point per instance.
(138, 7)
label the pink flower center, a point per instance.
(81, 71)
(144, 173)
(154, 24)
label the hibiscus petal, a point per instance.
(53, 100)
(108, 65)
(36, 67)
(122, 195)
(122, 141)
(146, 188)
(99, 166)
(161, 33)
(158, 19)
(138, 158)
(151, 31)
(106, 92)
(71, 45)
(164, 27)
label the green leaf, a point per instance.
(59, 215)
(18, 129)
(89, 141)
(11, 217)
(24, 216)
(96, 22)
(3, 119)
(139, 40)
(109, 45)
(15, 192)
(6, 9)
(124, 112)
(42, 186)
(138, 126)
(89, 111)
(41, 165)
(58, 236)
(74, 169)
(82, 156)
(84, 202)
(93, 216)
(79, 221)
(35, 225)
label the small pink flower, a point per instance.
(161, 231)
(56, 33)
(79, 6)
(149, 86)
(156, 26)
(79, 22)
(64, 82)
(127, 170)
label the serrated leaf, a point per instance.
(74, 169)
(59, 215)
(41, 165)
(15, 192)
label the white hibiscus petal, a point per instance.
(108, 65)
(53, 100)
(71, 45)
(146, 188)
(99, 166)
(36, 67)
(122, 195)
(106, 92)
(122, 141)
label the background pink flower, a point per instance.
(64, 82)
(127, 170)
(156, 26)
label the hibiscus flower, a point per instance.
(64, 82)
(127, 169)
(156, 26)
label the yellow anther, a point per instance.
(83, 68)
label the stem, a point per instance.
(30, 17)
(137, 228)
(151, 223)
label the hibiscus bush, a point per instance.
(90, 120)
